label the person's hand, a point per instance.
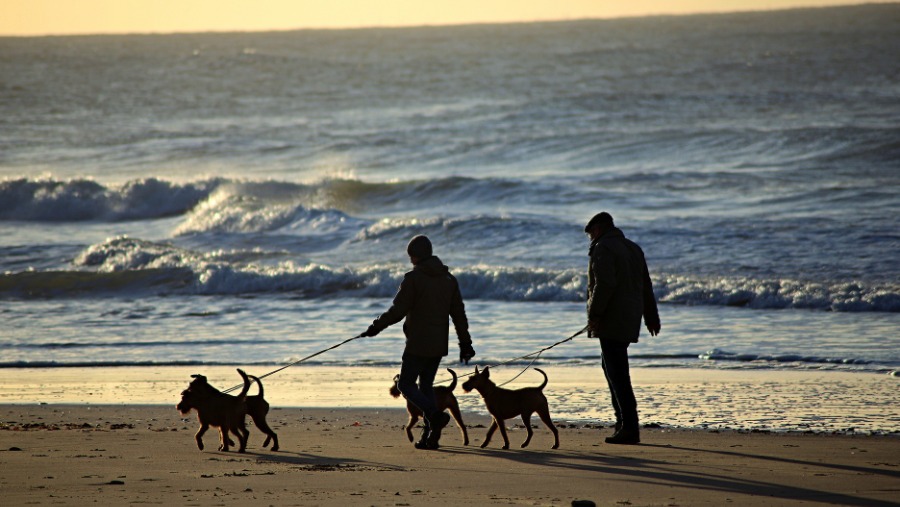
(593, 327)
(654, 328)
(371, 331)
(466, 352)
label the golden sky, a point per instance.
(55, 17)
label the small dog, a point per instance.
(504, 404)
(257, 408)
(445, 400)
(215, 408)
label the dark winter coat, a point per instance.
(619, 288)
(428, 298)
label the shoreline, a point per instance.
(819, 401)
(127, 454)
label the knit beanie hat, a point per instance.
(419, 247)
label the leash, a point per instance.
(536, 354)
(297, 362)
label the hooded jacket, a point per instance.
(428, 298)
(619, 288)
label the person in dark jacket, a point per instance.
(619, 294)
(428, 298)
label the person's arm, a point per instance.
(651, 312)
(398, 310)
(461, 324)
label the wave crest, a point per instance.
(778, 294)
(53, 200)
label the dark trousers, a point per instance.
(417, 381)
(615, 367)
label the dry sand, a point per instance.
(131, 454)
(64, 440)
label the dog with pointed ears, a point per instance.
(505, 404)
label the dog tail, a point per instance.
(452, 382)
(394, 390)
(259, 383)
(545, 378)
(243, 393)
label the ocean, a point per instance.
(246, 198)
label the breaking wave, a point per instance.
(125, 264)
(245, 205)
(50, 200)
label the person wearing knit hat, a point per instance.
(619, 294)
(428, 298)
(419, 247)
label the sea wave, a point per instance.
(51, 200)
(236, 215)
(132, 344)
(73, 284)
(721, 355)
(778, 294)
(245, 205)
(126, 264)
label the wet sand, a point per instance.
(779, 400)
(76, 436)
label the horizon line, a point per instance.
(452, 25)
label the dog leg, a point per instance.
(457, 416)
(503, 434)
(243, 435)
(223, 437)
(526, 420)
(224, 442)
(413, 419)
(199, 436)
(271, 436)
(490, 433)
(545, 417)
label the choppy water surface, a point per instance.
(234, 198)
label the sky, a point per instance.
(64, 17)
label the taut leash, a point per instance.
(297, 362)
(536, 354)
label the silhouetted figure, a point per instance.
(619, 294)
(428, 298)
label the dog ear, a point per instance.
(486, 372)
(476, 370)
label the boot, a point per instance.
(618, 427)
(422, 443)
(437, 422)
(626, 435)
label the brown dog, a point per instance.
(257, 408)
(215, 408)
(445, 400)
(504, 404)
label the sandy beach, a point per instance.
(75, 445)
(131, 454)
